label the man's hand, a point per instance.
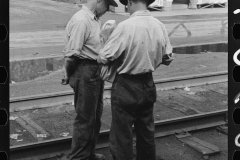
(101, 59)
(98, 59)
(167, 59)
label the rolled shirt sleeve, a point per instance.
(167, 56)
(168, 46)
(168, 53)
(75, 39)
(113, 47)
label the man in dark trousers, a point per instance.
(82, 48)
(139, 44)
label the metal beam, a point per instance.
(45, 100)
(51, 148)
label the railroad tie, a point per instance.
(205, 148)
(31, 130)
(223, 129)
(31, 127)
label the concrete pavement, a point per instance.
(184, 27)
(37, 47)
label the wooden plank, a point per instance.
(200, 146)
(205, 144)
(34, 125)
(223, 129)
(205, 148)
(31, 130)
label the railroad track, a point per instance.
(51, 148)
(57, 147)
(43, 100)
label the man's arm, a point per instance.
(114, 46)
(77, 37)
(168, 55)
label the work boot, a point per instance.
(97, 156)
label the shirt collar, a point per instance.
(141, 13)
(89, 13)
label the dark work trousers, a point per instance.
(132, 101)
(88, 102)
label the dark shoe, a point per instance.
(97, 157)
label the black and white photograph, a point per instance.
(122, 79)
(4, 80)
(234, 81)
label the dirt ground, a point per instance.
(56, 120)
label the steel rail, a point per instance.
(56, 147)
(38, 101)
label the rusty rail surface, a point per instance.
(50, 99)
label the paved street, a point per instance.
(39, 31)
(182, 29)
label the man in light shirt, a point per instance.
(82, 49)
(139, 45)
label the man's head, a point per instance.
(102, 6)
(134, 5)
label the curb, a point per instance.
(29, 69)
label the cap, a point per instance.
(113, 3)
(125, 2)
